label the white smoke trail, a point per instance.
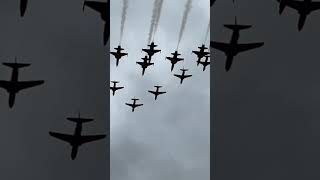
(159, 8)
(184, 19)
(207, 33)
(153, 19)
(123, 18)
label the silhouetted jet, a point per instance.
(23, 7)
(157, 92)
(174, 59)
(183, 75)
(118, 54)
(304, 8)
(114, 88)
(201, 53)
(151, 51)
(104, 9)
(145, 63)
(76, 140)
(205, 63)
(134, 105)
(14, 86)
(233, 48)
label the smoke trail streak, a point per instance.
(184, 19)
(207, 33)
(159, 6)
(123, 18)
(153, 19)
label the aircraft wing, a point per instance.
(124, 54)
(4, 84)
(246, 47)
(186, 76)
(153, 92)
(129, 104)
(315, 6)
(97, 6)
(118, 88)
(114, 53)
(86, 139)
(28, 84)
(292, 3)
(220, 46)
(162, 92)
(178, 75)
(138, 105)
(64, 137)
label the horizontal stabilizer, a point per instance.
(79, 120)
(16, 65)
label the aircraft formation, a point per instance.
(147, 61)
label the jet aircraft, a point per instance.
(304, 8)
(145, 63)
(114, 88)
(76, 140)
(201, 53)
(205, 63)
(157, 92)
(174, 59)
(151, 51)
(233, 48)
(134, 105)
(118, 54)
(104, 9)
(14, 85)
(183, 75)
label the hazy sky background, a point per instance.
(64, 46)
(167, 138)
(266, 108)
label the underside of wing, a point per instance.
(5, 84)
(315, 6)
(138, 105)
(152, 92)
(220, 46)
(186, 76)
(97, 6)
(129, 104)
(162, 92)
(86, 139)
(177, 75)
(246, 47)
(118, 88)
(29, 84)
(293, 4)
(64, 137)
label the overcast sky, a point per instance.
(167, 138)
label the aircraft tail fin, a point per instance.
(16, 65)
